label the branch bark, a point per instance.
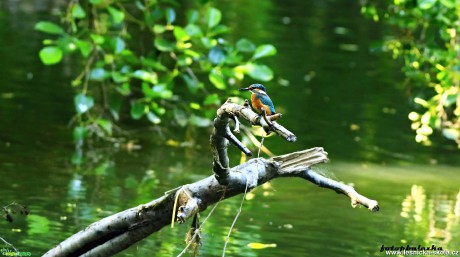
(117, 232)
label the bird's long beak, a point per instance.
(244, 89)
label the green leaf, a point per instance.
(97, 39)
(106, 125)
(98, 74)
(119, 45)
(78, 11)
(181, 34)
(216, 55)
(148, 76)
(259, 72)
(152, 117)
(192, 84)
(79, 134)
(50, 55)
(448, 3)
(192, 16)
(84, 47)
(212, 99)
(219, 29)
(164, 45)
(170, 15)
(217, 79)
(117, 15)
(83, 103)
(158, 29)
(264, 51)
(213, 17)
(451, 134)
(193, 30)
(95, 2)
(162, 91)
(137, 110)
(208, 42)
(244, 45)
(49, 27)
(450, 99)
(426, 4)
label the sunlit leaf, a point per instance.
(426, 4)
(451, 134)
(213, 17)
(180, 34)
(195, 106)
(208, 42)
(83, 103)
(162, 91)
(84, 47)
(106, 125)
(49, 27)
(421, 102)
(152, 117)
(137, 110)
(158, 29)
(170, 15)
(217, 79)
(97, 39)
(78, 11)
(147, 76)
(50, 55)
(259, 72)
(117, 15)
(264, 51)
(448, 3)
(244, 45)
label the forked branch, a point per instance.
(119, 231)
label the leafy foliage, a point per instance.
(428, 42)
(153, 60)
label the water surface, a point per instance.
(334, 93)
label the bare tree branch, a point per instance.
(117, 232)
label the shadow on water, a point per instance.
(334, 93)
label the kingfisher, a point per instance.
(260, 99)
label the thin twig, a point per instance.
(235, 219)
(10, 245)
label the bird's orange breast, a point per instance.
(258, 105)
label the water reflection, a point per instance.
(433, 220)
(334, 94)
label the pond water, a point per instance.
(333, 92)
